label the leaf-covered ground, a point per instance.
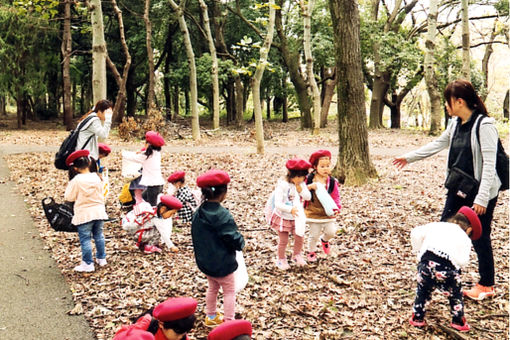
(364, 290)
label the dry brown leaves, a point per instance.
(364, 290)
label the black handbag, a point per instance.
(59, 215)
(462, 183)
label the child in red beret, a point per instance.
(85, 189)
(215, 241)
(149, 225)
(232, 330)
(170, 320)
(287, 198)
(318, 220)
(183, 194)
(443, 249)
(150, 184)
(104, 150)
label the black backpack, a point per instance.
(501, 160)
(59, 215)
(68, 146)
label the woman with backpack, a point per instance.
(97, 126)
(472, 180)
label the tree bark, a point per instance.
(239, 101)
(195, 124)
(379, 89)
(353, 164)
(506, 104)
(430, 76)
(3, 111)
(264, 52)
(150, 56)
(485, 62)
(466, 60)
(328, 88)
(98, 52)
(66, 64)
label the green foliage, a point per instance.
(45, 8)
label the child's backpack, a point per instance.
(125, 197)
(502, 160)
(68, 146)
(59, 215)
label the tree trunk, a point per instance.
(485, 63)
(430, 77)
(379, 90)
(239, 101)
(131, 95)
(176, 101)
(261, 65)
(3, 111)
(66, 64)
(120, 101)
(466, 60)
(150, 56)
(195, 124)
(506, 104)
(328, 88)
(394, 111)
(307, 9)
(214, 70)
(353, 164)
(98, 52)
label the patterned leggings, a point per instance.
(447, 279)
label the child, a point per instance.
(184, 194)
(150, 225)
(287, 202)
(317, 218)
(104, 151)
(443, 249)
(151, 182)
(215, 241)
(232, 330)
(85, 189)
(170, 320)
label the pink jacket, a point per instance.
(151, 167)
(86, 191)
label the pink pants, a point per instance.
(227, 283)
(283, 240)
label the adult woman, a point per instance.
(97, 127)
(475, 155)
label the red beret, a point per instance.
(133, 333)
(175, 309)
(473, 220)
(314, 158)
(178, 175)
(103, 148)
(154, 138)
(75, 155)
(230, 329)
(171, 202)
(213, 178)
(298, 164)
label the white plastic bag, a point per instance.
(241, 274)
(300, 221)
(130, 169)
(106, 183)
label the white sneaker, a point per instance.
(101, 262)
(84, 267)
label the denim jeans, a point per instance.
(86, 231)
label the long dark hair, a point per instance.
(101, 106)
(148, 152)
(461, 88)
(82, 163)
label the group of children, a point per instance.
(303, 198)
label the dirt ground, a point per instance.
(365, 289)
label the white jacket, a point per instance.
(151, 167)
(94, 128)
(446, 240)
(286, 197)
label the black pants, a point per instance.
(483, 246)
(444, 276)
(151, 194)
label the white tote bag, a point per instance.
(106, 183)
(241, 274)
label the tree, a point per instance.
(98, 51)
(264, 52)
(150, 56)
(466, 60)
(353, 164)
(66, 63)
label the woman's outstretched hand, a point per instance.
(479, 210)
(399, 162)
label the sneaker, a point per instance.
(416, 322)
(325, 247)
(282, 264)
(149, 249)
(217, 320)
(84, 267)
(300, 261)
(311, 257)
(461, 328)
(479, 292)
(101, 262)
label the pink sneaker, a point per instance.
(300, 261)
(151, 249)
(325, 247)
(282, 264)
(417, 323)
(461, 328)
(311, 257)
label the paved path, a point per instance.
(34, 297)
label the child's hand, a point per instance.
(312, 186)
(337, 213)
(294, 211)
(174, 249)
